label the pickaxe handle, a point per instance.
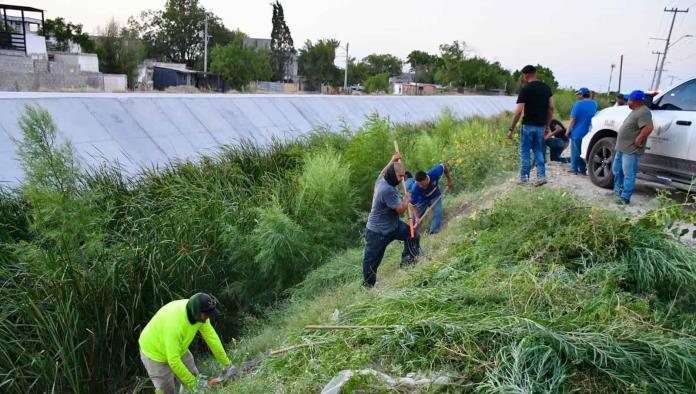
(410, 214)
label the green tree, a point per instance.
(377, 83)
(358, 72)
(316, 63)
(65, 32)
(422, 65)
(174, 33)
(449, 68)
(282, 46)
(386, 63)
(240, 65)
(120, 51)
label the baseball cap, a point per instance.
(582, 92)
(207, 304)
(636, 95)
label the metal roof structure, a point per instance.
(138, 130)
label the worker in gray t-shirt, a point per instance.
(630, 144)
(384, 225)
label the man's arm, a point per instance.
(515, 118)
(404, 205)
(171, 349)
(213, 341)
(415, 211)
(570, 127)
(644, 133)
(395, 157)
(549, 116)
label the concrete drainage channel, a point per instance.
(148, 130)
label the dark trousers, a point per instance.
(557, 146)
(375, 245)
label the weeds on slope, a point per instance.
(537, 294)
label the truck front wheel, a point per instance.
(601, 159)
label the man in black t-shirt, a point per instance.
(536, 103)
(557, 141)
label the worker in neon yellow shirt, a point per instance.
(165, 340)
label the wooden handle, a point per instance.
(408, 207)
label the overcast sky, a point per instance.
(578, 40)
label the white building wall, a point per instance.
(36, 45)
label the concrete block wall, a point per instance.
(22, 73)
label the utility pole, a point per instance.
(674, 12)
(611, 74)
(205, 46)
(345, 75)
(671, 79)
(652, 84)
(618, 90)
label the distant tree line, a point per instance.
(175, 34)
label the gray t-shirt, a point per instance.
(630, 129)
(383, 218)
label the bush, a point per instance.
(377, 83)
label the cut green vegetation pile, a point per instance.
(87, 256)
(538, 293)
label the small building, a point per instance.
(164, 77)
(20, 30)
(415, 89)
(258, 43)
(26, 65)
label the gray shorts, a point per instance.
(162, 375)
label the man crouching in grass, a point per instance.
(165, 340)
(384, 225)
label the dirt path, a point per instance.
(642, 201)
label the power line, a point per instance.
(674, 12)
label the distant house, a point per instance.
(27, 65)
(21, 32)
(164, 76)
(258, 43)
(415, 89)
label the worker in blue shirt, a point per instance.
(425, 191)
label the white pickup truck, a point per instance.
(670, 152)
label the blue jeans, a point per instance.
(625, 170)
(437, 214)
(577, 163)
(557, 146)
(375, 245)
(532, 138)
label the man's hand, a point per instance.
(395, 157)
(450, 185)
(567, 134)
(407, 199)
(638, 142)
(509, 135)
